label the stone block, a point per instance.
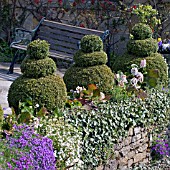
(130, 162)
(130, 133)
(118, 146)
(123, 161)
(130, 154)
(139, 157)
(137, 130)
(143, 147)
(113, 164)
(127, 141)
(144, 134)
(136, 138)
(125, 150)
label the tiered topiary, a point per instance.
(142, 46)
(90, 66)
(38, 81)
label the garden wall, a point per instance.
(134, 149)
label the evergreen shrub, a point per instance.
(142, 48)
(38, 68)
(90, 59)
(91, 43)
(38, 49)
(141, 31)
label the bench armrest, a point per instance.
(105, 35)
(22, 36)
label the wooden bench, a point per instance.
(64, 39)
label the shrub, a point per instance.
(154, 61)
(101, 75)
(141, 31)
(27, 150)
(91, 43)
(142, 48)
(38, 68)
(38, 49)
(90, 59)
(49, 91)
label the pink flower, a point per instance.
(143, 63)
(123, 78)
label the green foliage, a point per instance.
(91, 43)
(90, 59)
(142, 48)
(101, 75)
(154, 61)
(38, 68)
(38, 49)
(101, 128)
(1, 117)
(49, 91)
(141, 31)
(146, 14)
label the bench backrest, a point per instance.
(62, 37)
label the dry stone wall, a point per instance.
(132, 150)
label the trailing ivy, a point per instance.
(101, 128)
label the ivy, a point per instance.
(102, 127)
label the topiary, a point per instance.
(141, 31)
(100, 75)
(147, 49)
(38, 81)
(49, 91)
(142, 48)
(38, 49)
(90, 66)
(154, 61)
(91, 43)
(90, 59)
(38, 68)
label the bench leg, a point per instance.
(11, 68)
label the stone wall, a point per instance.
(132, 150)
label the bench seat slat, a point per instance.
(53, 53)
(71, 28)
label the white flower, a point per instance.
(79, 89)
(117, 76)
(37, 105)
(134, 82)
(102, 96)
(143, 63)
(134, 71)
(123, 78)
(139, 76)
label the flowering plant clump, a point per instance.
(85, 97)
(25, 149)
(161, 148)
(135, 79)
(164, 46)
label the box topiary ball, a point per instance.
(142, 48)
(91, 43)
(37, 68)
(154, 61)
(38, 49)
(141, 31)
(100, 75)
(49, 91)
(90, 59)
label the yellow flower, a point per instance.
(159, 39)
